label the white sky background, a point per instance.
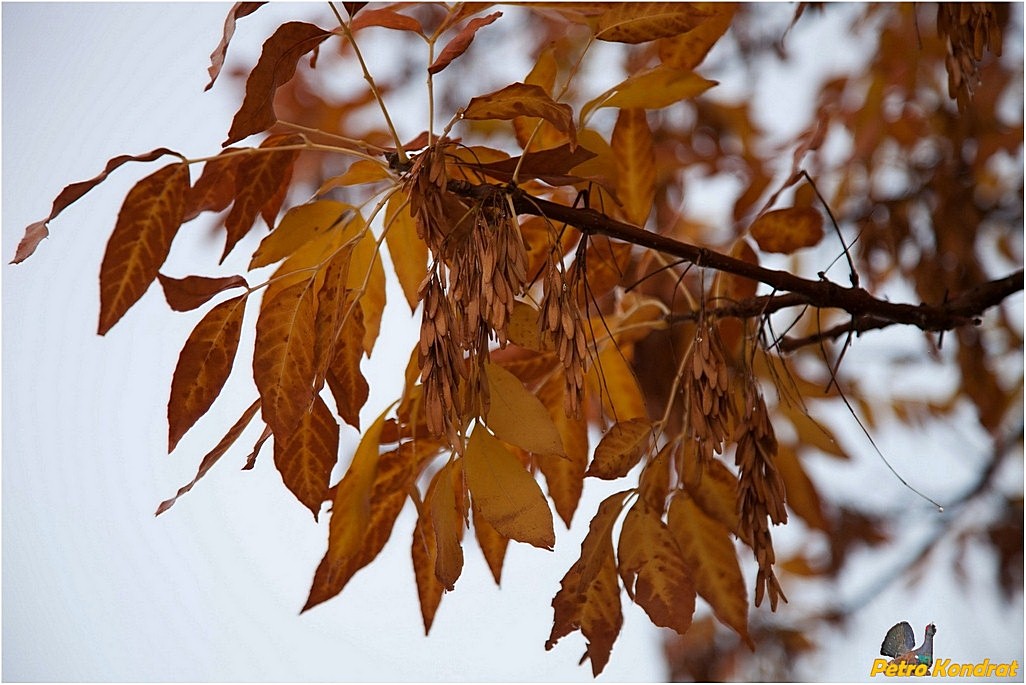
(95, 587)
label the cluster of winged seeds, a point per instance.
(970, 28)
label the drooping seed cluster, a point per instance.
(561, 323)
(708, 410)
(479, 270)
(760, 491)
(970, 28)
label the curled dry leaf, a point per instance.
(186, 294)
(386, 18)
(238, 11)
(788, 230)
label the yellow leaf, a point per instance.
(632, 145)
(306, 457)
(787, 230)
(639, 22)
(409, 253)
(367, 278)
(517, 416)
(653, 570)
(653, 88)
(361, 171)
(620, 449)
(444, 504)
(709, 554)
(504, 493)
(300, 225)
(589, 594)
(612, 379)
(524, 330)
(714, 489)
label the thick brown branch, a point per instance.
(822, 293)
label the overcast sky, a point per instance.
(95, 587)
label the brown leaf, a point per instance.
(714, 489)
(460, 42)
(35, 232)
(522, 100)
(589, 594)
(238, 11)
(517, 416)
(653, 570)
(444, 503)
(345, 379)
(493, 544)
(386, 18)
(214, 190)
(203, 366)
(186, 294)
(276, 66)
(258, 180)
(350, 519)
(552, 166)
(564, 475)
(687, 50)
(409, 253)
(788, 230)
(620, 449)
(639, 22)
(306, 457)
(147, 223)
(211, 458)
(504, 493)
(632, 145)
(424, 552)
(709, 554)
(283, 363)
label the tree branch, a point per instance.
(867, 312)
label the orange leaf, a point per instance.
(517, 416)
(522, 100)
(802, 497)
(686, 51)
(367, 277)
(653, 570)
(361, 171)
(714, 489)
(350, 518)
(424, 552)
(564, 475)
(258, 180)
(186, 294)
(460, 42)
(787, 230)
(345, 379)
(277, 65)
(386, 18)
(283, 363)
(203, 366)
(504, 493)
(589, 594)
(493, 544)
(211, 458)
(620, 449)
(709, 554)
(214, 190)
(35, 232)
(238, 11)
(632, 145)
(409, 253)
(305, 458)
(148, 221)
(654, 483)
(444, 503)
(639, 22)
